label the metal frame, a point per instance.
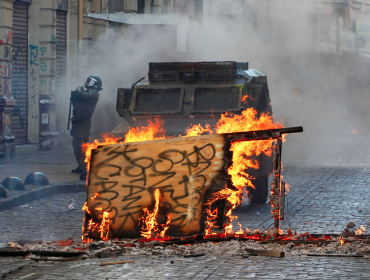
(277, 198)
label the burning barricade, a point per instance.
(178, 187)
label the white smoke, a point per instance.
(307, 88)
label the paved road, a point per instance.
(206, 267)
(56, 164)
(323, 198)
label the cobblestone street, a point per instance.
(207, 267)
(322, 198)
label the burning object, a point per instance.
(185, 182)
(182, 186)
(226, 95)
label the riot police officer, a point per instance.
(84, 100)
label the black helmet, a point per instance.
(94, 81)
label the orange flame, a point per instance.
(197, 130)
(360, 231)
(150, 224)
(242, 158)
(104, 227)
(341, 240)
(146, 133)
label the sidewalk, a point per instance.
(55, 164)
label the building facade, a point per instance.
(47, 48)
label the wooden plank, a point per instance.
(185, 170)
(113, 263)
(268, 253)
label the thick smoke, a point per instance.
(320, 91)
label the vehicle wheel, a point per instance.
(260, 193)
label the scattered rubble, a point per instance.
(296, 245)
(351, 225)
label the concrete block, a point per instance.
(6, 4)
(104, 5)
(47, 17)
(147, 7)
(88, 7)
(157, 9)
(87, 20)
(158, 2)
(6, 14)
(88, 31)
(26, 149)
(96, 6)
(48, 4)
(48, 33)
(101, 32)
(73, 30)
(130, 5)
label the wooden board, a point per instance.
(185, 170)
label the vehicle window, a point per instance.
(217, 99)
(158, 101)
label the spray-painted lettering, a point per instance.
(7, 53)
(126, 176)
(43, 66)
(43, 50)
(34, 52)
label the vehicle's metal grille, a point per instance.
(193, 66)
(218, 76)
(217, 99)
(158, 101)
(162, 77)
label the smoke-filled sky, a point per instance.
(323, 92)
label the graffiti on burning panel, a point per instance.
(125, 177)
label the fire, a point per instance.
(341, 240)
(360, 231)
(242, 160)
(150, 224)
(242, 157)
(104, 227)
(243, 151)
(146, 133)
(197, 130)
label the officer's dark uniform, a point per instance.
(84, 102)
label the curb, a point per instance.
(41, 192)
